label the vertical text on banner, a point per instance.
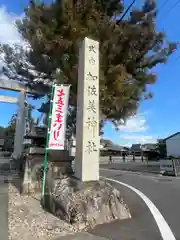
(58, 117)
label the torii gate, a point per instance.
(22, 109)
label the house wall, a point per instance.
(173, 146)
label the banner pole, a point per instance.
(47, 143)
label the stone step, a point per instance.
(81, 236)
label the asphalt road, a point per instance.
(164, 192)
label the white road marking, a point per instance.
(164, 228)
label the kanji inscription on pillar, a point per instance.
(87, 126)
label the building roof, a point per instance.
(36, 132)
(136, 147)
(171, 136)
(149, 147)
(116, 148)
(143, 147)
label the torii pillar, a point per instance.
(20, 126)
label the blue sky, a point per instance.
(156, 118)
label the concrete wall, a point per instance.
(173, 146)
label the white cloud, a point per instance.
(139, 138)
(8, 31)
(134, 131)
(134, 124)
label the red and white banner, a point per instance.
(58, 117)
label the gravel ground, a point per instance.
(28, 221)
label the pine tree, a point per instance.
(129, 50)
(106, 142)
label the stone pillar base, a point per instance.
(58, 162)
(94, 203)
(31, 188)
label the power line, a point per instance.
(125, 13)
(163, 5)
(169, 11)
(172, 7)
(160, 9)
(176, 3)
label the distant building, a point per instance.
(147, 150)
(147, 147)
(116, 150)
(136, 149)
(1, 143)
(1, 138)
(161, 147)
(173, 145)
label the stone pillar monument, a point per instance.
(87, 125)
(20, 126)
